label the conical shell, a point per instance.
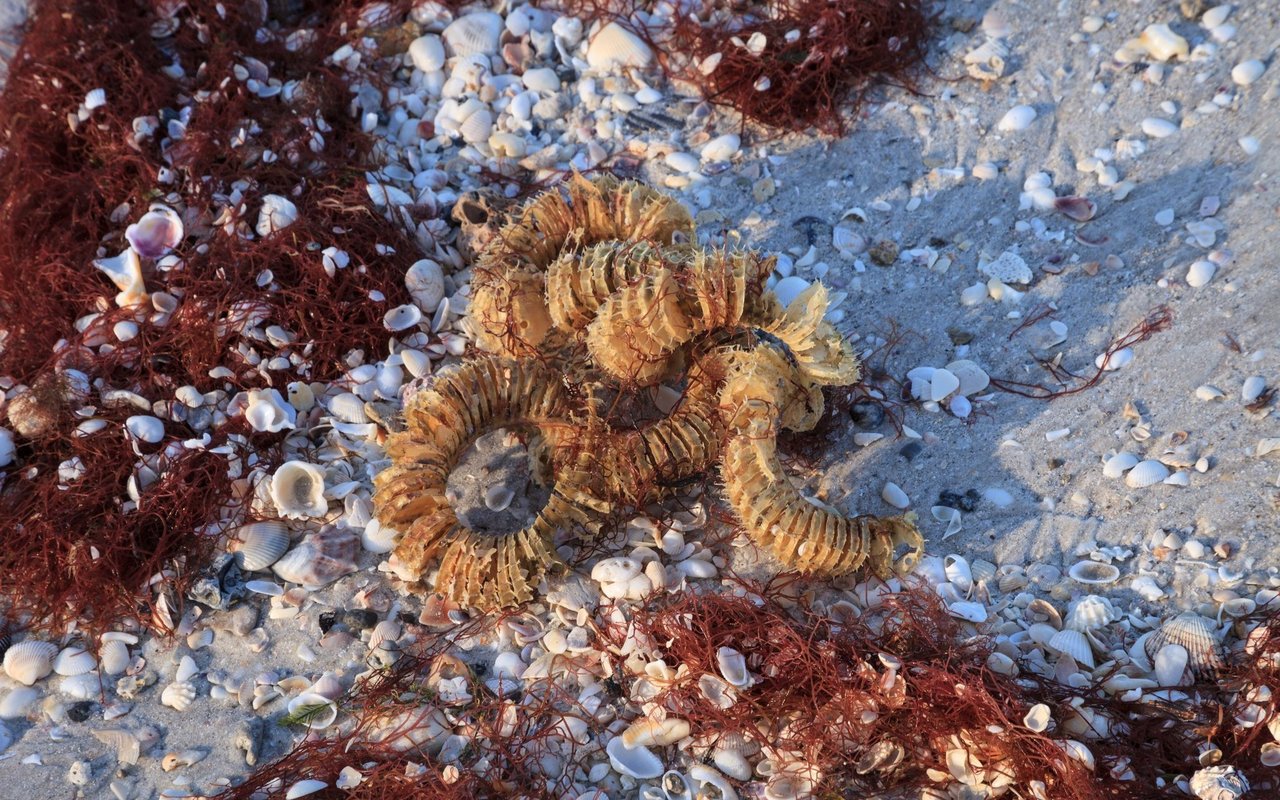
(258, 545)
(29, 661)
(74, 660)
(1195, 633)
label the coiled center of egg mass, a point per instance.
(495, 488)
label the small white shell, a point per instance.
(1246, 72)
(498, 497)
(268, 411)
(403, 317)
(958, 572)
(1196, 635)
(1200, 273)
(427, 53)
(968, 610)
(113, 656)
(156, 233)
(638, 762)
(178, 696)
(1017, 118)
(732, 763)
(477, 33)
(1146, 473)
(1119, 464)
(733, 667)
(325, 714)
(74, 660)
(1073, 643)
(614, 46)
(973, 378)
(425, 282)
(1162, 44)
(717, 691)
(145, 428)
(258, 545)
(129, 745)
(85, 686)
(1252, 389)
(305, 787)
(1094, 572)
(187, 670)
(277, 214)
(1037, 718)
(615, 570)
(1091, 612)
(721, 148)
(893, 495)
(477, 127)
(17, 702)
(297, 489)
(675, 786)
(29, 661)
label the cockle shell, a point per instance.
(1090, 612)
(348, 407)
(477, 33)
(1146, 473)
(732, 763)
(74, 660)
(1193, 632)
(614, 46)
(1094, 572)
(1219, 783)
(297, 489)
(1073, 643)
(258, 545)
(277, 213)
(29, 661)
(638, 762)
(156, 233)
(113, 656)
(320, 558)
(178, 696)
(733, 667)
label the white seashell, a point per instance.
(682, 162)
(301, 396)
(1008, 267)
(113, 656)
(477, 127)
(1162, 44)
(1146, 473)
(125, 271)
(305, 787)
(646, 732)
(721, 148)
(497, 498)
(29, 661)
(187, 670)
(949, 515)
(1073, 643)
(986, 62)
(1000, 663)
(85, 686)
(702, 776)
(542, 79)
(1270, 754)
(732, 763)
(1239, 607)
(1196, 635)
(129, 745)
(1200, 273)
(258, 545)
(74, 660)
(402, 318)
(1094, 573)
(1090, 612)
(427, 53)
(1209, 393)
(717, 691)
(145, 428)
(941, 384)
(1017, 118)
(15, 703)
(1037, 718)
(1246, 72)
(320, 710)
(1158, 128)
(1119, 464)
(614, 46)
(377, 538)
(320, 558)
(156, 233)
(958, 572)
(475, 34)
(184, 758)
(1252, 389)
(277, 214)
(615, 570)
(297, 489)
(894, 496)
(733, 667)
(638, 762)
(788, 289)
(268, 411)
(1219, 783)
(675, 786)
(178, 696)
(968, 610)
(973, 378)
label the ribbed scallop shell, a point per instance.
(474, 33)
(348, 408)
(1074, 644)
(74, 660)
(1195, 633)
(113, 657)
(258, 545)
(1090, 612)
(29, 661)
(178, 696)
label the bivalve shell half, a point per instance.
(1195, 633)
(733, 667)
(29, 661)
(1073, 643)
(74, 660)
(1090, 612)
(638, 762)
(258, 545)
(614, 46)
(1038, 718)
(113, 656)
(1094, 573)
(477, 33)
(1146, 473)
(318, 711)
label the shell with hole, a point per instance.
(1194, 633)
(1094, 573)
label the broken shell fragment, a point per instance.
(638, 762)
(277, 213)
(156, 233)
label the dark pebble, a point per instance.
(910, 450)
(357, 619)
(79, 712)
(959, 336)
(867, 415)
(966, 502)
(327, 620)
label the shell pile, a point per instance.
(597, 283)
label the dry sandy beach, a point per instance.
(1128, 178)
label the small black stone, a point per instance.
(357, 619)
(959, 336)
(867, 415)
(1055, 463)
(327, 620)
(966, 502)
(910, 450)
(79, 712)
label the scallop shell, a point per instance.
(1073, 643)
(1195, 633)
(1094, 573)
(297, 489)
(1146, 473)
(638, 762)
(320, 558)
(733, 667)
(1090, 612)
(614, 46)
(348, 407)
(29, 661)
(477, 33)
(74, 660)
(178, 696)
(258, 545)
(129, 745)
